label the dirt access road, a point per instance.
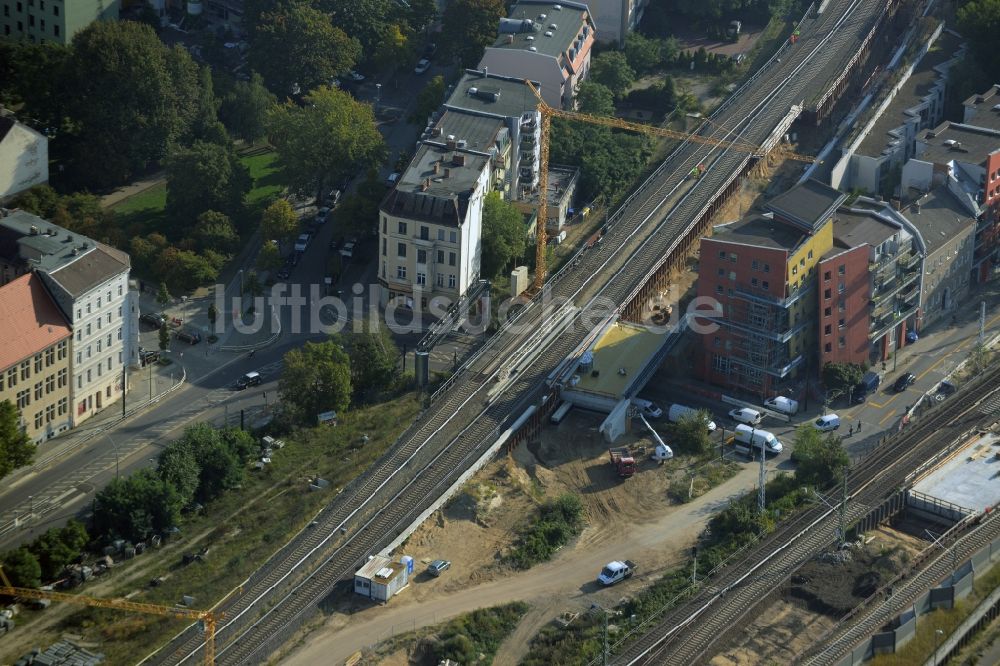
(565, 583)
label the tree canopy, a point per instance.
(16, 448)
(611, 69)
(595, 98)
(469, 26)
(429, 99)
(204, 177)
(279, 221)
(689, 434)
(979, 22)
(293, 43)
(504, 234)
(244, 110)
(316, 379)
(819, 457)
(842, 377)
(609, 160)
(332, 136)
(374, 362)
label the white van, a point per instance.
(782, 405)
(746, 415)
(827, 423)
(758, 439)
(561, 412)
(678, 412)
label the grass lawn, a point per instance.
(241, 529)
(147, 209)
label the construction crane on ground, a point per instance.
(547, 113)
(206, 618)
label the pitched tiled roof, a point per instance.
(31, 320)
(90, 270)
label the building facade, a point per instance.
(88, 281)
(35, 358)
(844, 297)
(24, 157)
(430, 227)
(547, 43)
(40, 21)
(616, 18)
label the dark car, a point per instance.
(153, 319)
(248, 380)
(284, 272)
(147, 356)
(189, 337)
(904, 382)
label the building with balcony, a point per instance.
(965, 159)
(430, 226)
(876, 155)
(40, 21)
(35, 357)
(24, 157)
(544, 42)
(88, 281)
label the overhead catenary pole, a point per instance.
(761, 500)
(542, 216)
(843, 508)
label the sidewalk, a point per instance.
(132, 189)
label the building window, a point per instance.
(841, 288)
(12, 377)
(722, 255)
(23, 398)
(119, 293)
(827, 312)
(453, 236)
(38, 364)
(718, 341)
(38, 415)
(119, 336)
(755, 264)
(401, 272)
(828, 348)
(402, 228)
(88, 329)
(109, 317)
(88, 308)
(826, 276)
(79, 381)
(810, 255)
(441, 235)
(722, 272)
(98, 346)
(732, 275)
(767, 268)
(765, 284)
(55, 28)
(802, 262)
(421, 256)
(50, 356)
(89, 376)
(840, 324)
(827, 330)
(795, 270)
(842, 269)
(63, 406)
(50, 384)
(62, 350)
(841, 342)
(61, 377)
(25, 370)
(732, 257)
(425, 233)
(50, 413)
(452, 258)
(401, 250)
(840, 306)
(451, 281)
(440, 256)
(753, 282)
(827, 294)
(718, 289)
(440, 279)
(421, 278)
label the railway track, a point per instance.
(688, 632)
(464, 416)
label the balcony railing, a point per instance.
(760, 295)
(882, 325)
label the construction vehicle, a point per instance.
(548, 112)
(615, 572)
(696, 172)
(623, 462)
(207, 619)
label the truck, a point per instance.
(623, 462)
(615, 572)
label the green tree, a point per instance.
(16, 448)
(269, 258)
(595, 98)
(164, 338)
(422, 14)
(136, 507)
(365, 20)
(178, 467)
(332, 136)
(644, 54)
(316, 378)
(612, 70)
(22, 568)
(979, 22)
(129, 96)
(469, 26)
(59, 547)
(163, 295)
(33, 75)
(244, 110)
(204, 177)
(212, 314)
(243, 445)
(205, 125)
(185, 270)
(374, 362)
(395, 48)
(840, 378)
(358, 213)
(609, 160)
(215, 231)
(428, 100)
(690, 434)
(294, 44)
(221, 470)
(820, 458)
(504, 234)
(279, 221)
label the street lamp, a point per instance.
(938, 633)
(108, 435)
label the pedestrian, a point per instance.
(859, 426)
(252, 352)
(850, 431)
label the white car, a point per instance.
(827, 423)
(302, 243)
(355, 76)
(422, 66)
(649, 408)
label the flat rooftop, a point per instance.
(538, 24)
(984, 110)
(479, 132)
(808, 204)
(489, 94)
(760, 231)
(940, 217)
(969, 478)
(953, 141)
(560, 179)
(918, 86)
(858, 226)
(622, 345)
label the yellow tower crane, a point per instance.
(548, 112)
(207, 618)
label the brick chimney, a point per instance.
(458, 159)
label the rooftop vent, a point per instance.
(950, 142)
(931, 134)
(548, 33)
(473, 91)
(451, 143)
(916, 208)
(510, 39)
(436, 131)
(451, 137)
(461, 143)
(458, 159)
(34, 230)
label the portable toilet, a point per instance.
(408, 561)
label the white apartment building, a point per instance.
(89, 283)
(430, 227)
